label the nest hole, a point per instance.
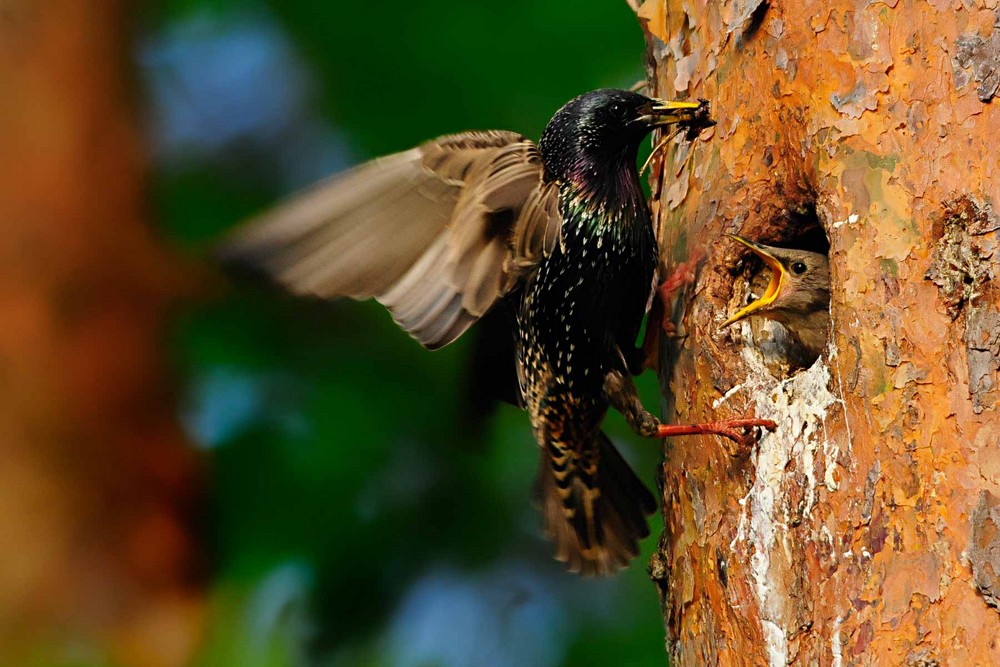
(802, 229)
(788, 339)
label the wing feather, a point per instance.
(437, 233)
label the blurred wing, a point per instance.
(436, 234)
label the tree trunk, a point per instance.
(95, 479)
(866, 529)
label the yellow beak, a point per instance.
(667, 112)
(778, 273)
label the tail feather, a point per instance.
(595, 520)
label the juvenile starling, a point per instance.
(442, 233)
(797, 294)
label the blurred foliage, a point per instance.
(351, 496)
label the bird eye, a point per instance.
(799, 267)
(617, 109)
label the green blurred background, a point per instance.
(360, 515)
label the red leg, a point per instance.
(726, 428)
(682, 275)
(621, 394)
(651, 339)
(657, 320)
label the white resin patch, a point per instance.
(799, 405)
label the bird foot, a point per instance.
(658, 322)
(735, 430)
(683, 274)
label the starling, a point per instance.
(797, 295)
(560, 232)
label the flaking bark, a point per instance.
(849, 536)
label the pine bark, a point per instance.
(866, 529)
(95, 479)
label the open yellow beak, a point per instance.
(778, 273)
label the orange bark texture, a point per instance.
(97, 561)
(864, 531)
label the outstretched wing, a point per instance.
(436, 234)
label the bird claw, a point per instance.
(733, 430)
(658, 322)
(743, 438)
(683, 274)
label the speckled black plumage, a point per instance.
(582, 308)
(445, 232)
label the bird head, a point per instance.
(799, 285)
(600, 132)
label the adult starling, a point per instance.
(797, 295)
(442, 233)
